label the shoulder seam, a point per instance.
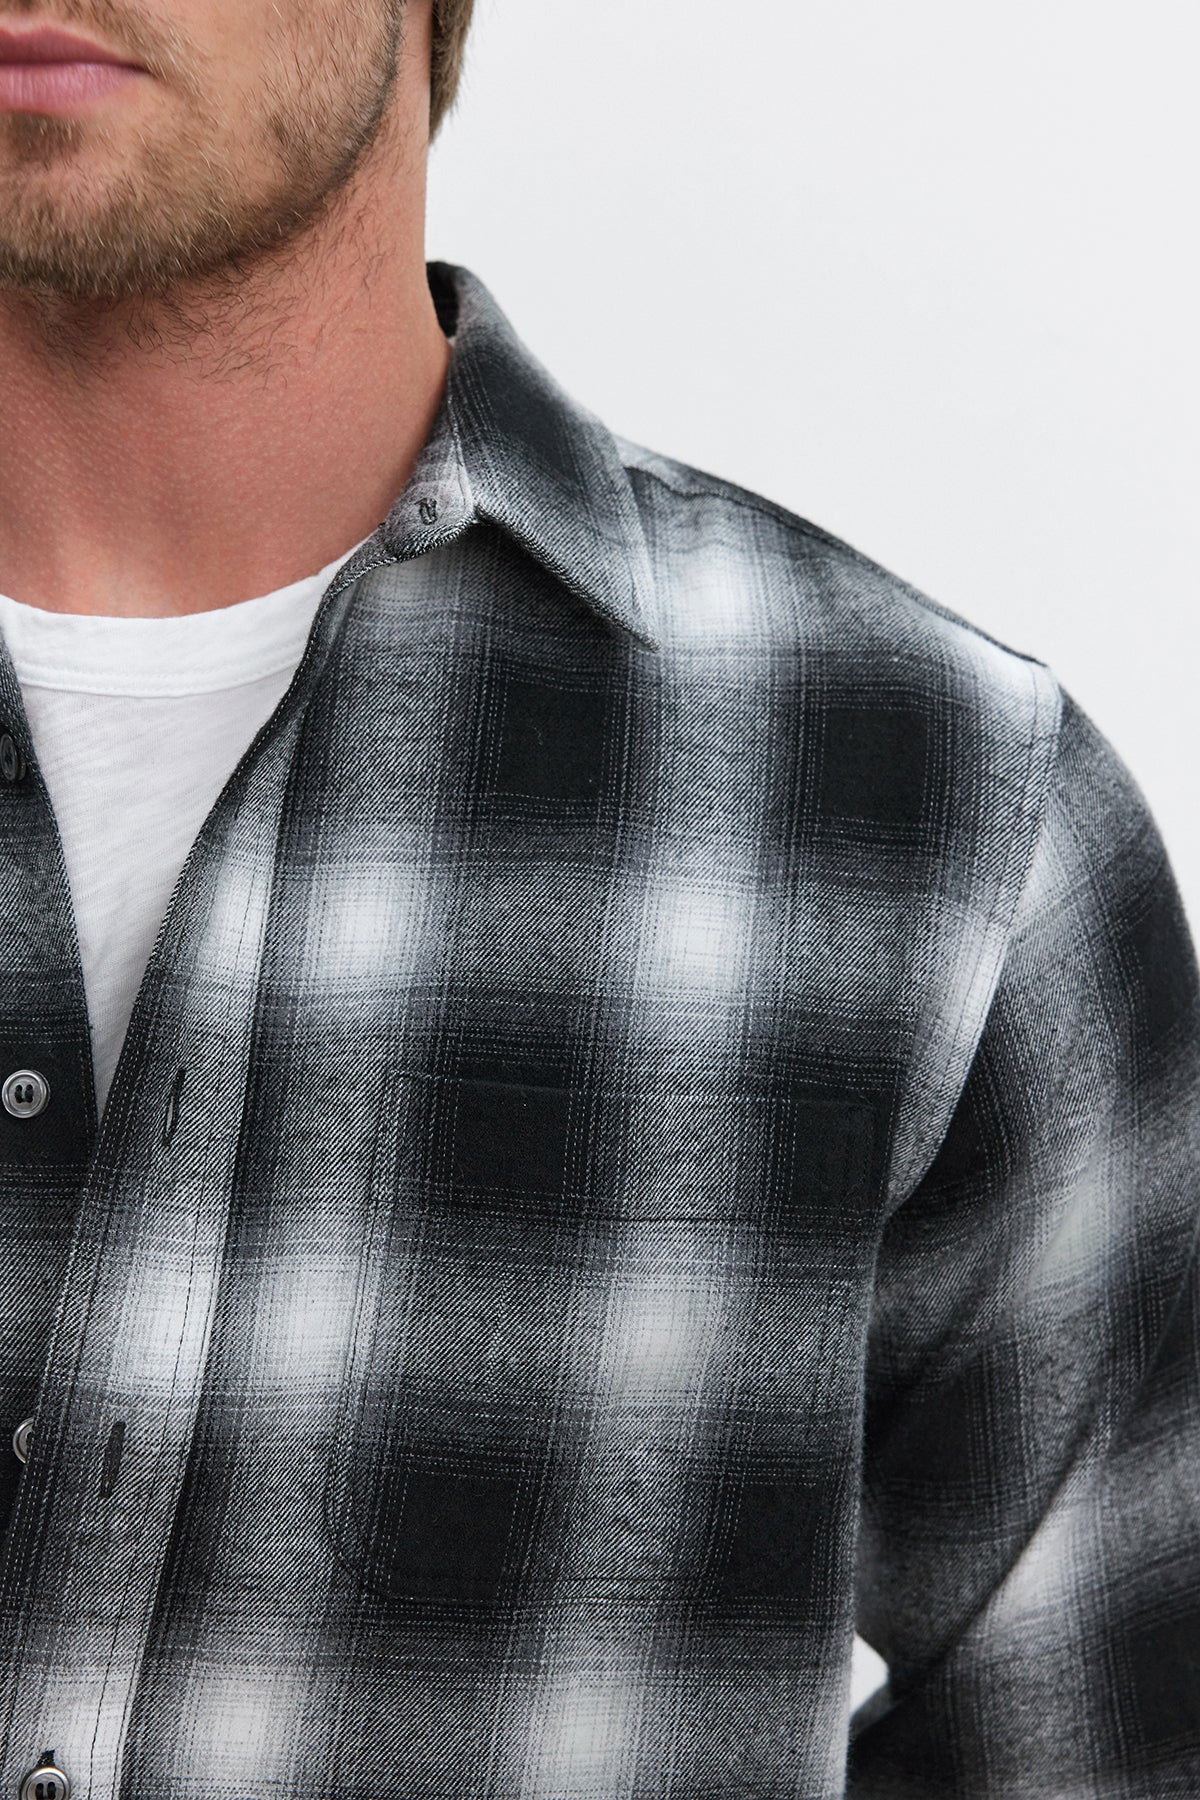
(1043, 754)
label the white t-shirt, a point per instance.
(137, 724)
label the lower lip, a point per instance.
(59, 86)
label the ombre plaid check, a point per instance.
(661, 1128)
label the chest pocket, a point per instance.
(499, 1276)
(449, 1450)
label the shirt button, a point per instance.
(21, 1437)
(46, 1783)
(25, 1094)
(12, 762)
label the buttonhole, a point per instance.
(172, 1114)
(114, 1450)
(429, 512)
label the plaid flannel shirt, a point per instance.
(660, 1127)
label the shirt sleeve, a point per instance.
(1029, 1552)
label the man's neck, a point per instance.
(175, 458)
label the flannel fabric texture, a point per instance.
(660, 1128)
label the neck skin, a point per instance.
(214, 454)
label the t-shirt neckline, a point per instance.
(199, 653)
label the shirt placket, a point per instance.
(117, 1407)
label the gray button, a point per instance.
(25, 1094)
(21, 1437)
(46, 1783)
(12, 762)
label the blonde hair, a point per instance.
(451, 22)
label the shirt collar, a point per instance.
(508, 446)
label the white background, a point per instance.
(925, 273)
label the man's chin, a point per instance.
(84, 274)
(123, 251)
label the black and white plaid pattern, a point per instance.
(661, 1126)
